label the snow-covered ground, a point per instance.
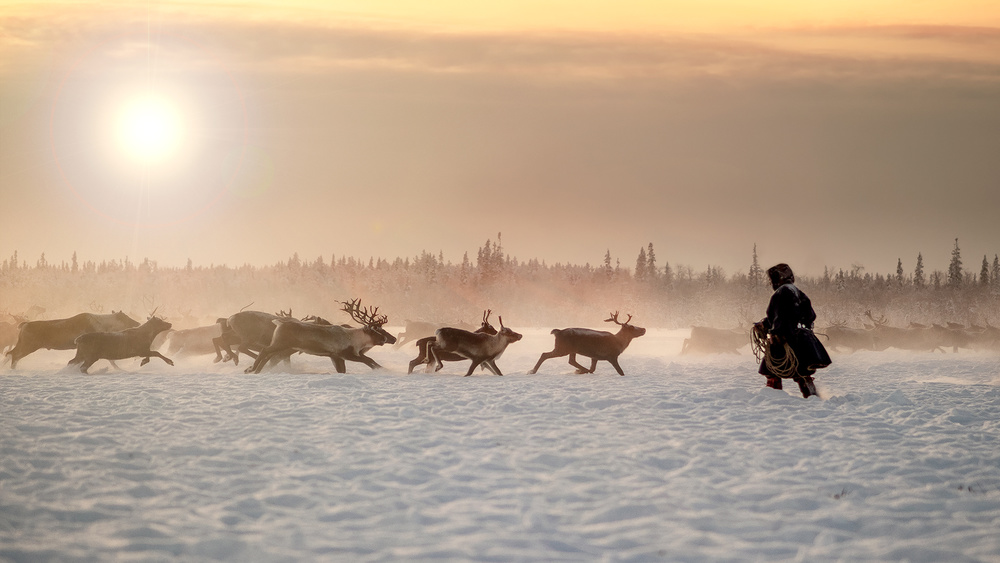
(684, 459)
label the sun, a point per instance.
(149, 129)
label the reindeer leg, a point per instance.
(614, 362)
(18, 352)
(261, 360)
(161, 356)
(593, 365)
(421, 358)
(574, 363)
(218, 350)
(543, 357)
(360, 357)
(472, 368)
(438, 364)
(286, 358)
(339, 364)
(246, 350)
(492, 365)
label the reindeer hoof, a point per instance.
(169, 362)
(144, 362)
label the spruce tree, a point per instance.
(640, 265)
(955, 267)
(984, 273)
(918, 272)
(936, 276)
(609, 272)
(756, 274)
(995, 273)
(899, 272)
(651, 273)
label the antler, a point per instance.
(614, 318)
(366, 316)
(282, 313)
(881, 321)
(316, 320)
(486, 316)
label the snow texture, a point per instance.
(685, 458)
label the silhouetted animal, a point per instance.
(424, 345)
(128, 343)
(594, 344)
(61, 334)
(337, 342)
(479, 347)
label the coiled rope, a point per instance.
(785, 367)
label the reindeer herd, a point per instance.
(271, 339)
(877, 336)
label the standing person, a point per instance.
(790, 349)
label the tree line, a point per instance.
(527, 292)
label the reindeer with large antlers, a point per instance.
(479, 347)
(337, 342)
(594, 344)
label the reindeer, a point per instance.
(708, 340)
(479, 347)
(421, 330)
(424, 345)
(129, 343)
(915, 339)
(337, 342)
(61, 334)
(594, 344)
(190, 341)
(250, 331)
(839, 335)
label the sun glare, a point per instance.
(149, 129)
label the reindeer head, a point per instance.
(486, 327)
(124, 319)
(879, 322)
(370, 319)
(626, 329)
(508, 334)
(157, 324)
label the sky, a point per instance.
(837, 134)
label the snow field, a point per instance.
(683, 459)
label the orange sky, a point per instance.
(643, 15)
(438, 124)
